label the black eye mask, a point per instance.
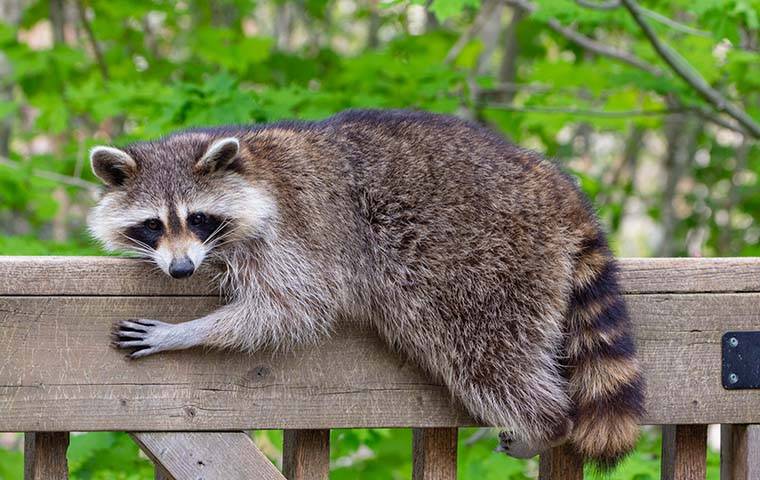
(203, 226)
(148, 232)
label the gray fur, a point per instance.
(463, 251)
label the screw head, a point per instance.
(733, 341)
(733, 378)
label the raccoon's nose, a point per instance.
(181, 268)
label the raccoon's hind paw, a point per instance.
(143, 337)
(517, 448)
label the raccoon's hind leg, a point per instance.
(516, 386)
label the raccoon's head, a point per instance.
(177, 199)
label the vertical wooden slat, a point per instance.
(45, 456)
(435, 453)
(306, 454)
(560, 463)
(684, 452)
(739, 452)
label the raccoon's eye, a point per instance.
(153, 224)
(197, 219)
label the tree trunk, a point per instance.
(508, 67)
(682, 131)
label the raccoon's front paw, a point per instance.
(143, 337)
(517, 448)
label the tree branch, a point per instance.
(589, 43)
(613, 4)
(483, 15)
(587, 112)
(52, 176)
(710, 116)
(657, 17)
(687, 73)
(93, 42)
(602, 49)
(608, 5)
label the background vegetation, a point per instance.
(653, 105)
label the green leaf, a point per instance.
(444, 9)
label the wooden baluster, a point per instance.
(739, 452)
(560, 463)
(306, 454)
(45, 455)
(435, 453)
(684, 452)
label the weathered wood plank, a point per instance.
(207, 455)
(60, 374)
(45, 456)
(434, 453)
(690, 275)
(684, 452)
(94, 276)
(739, 452)
(161, 473)
(128, 277)
(306, 454)
(560, 463)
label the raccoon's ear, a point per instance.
(112, 165)
(219, 155)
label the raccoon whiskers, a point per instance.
(224, 239)
(218, 229)
(140, 246)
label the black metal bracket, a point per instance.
(741, 360)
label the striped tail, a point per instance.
(604, 376)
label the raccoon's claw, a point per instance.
(142, 336)
(517, 448)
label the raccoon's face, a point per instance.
(178, 199)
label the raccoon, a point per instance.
(479, 260)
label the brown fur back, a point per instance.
(477, 259)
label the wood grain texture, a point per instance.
(60, 374)
(45, 456)
(207, 455)
(94, 276)
(560, 463)
(161, 473)
(128, 277)
(306, 454)
(739, 452)
(684, 452)
(690, 275)
(434, 453)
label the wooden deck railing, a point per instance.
(58, 375)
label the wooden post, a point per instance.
(739, 452)
(435, 453)
(45, 456)
(560, 463)
(684, 452)
(306, 454)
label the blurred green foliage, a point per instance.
(376, 454)
(666, 180)
(168, 65)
